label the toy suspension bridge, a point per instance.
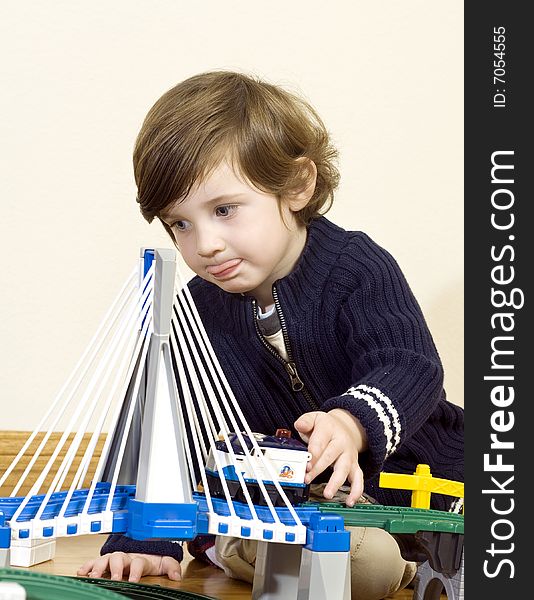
(151, 380)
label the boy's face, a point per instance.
(232, 234)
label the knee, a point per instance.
(237, 557)
(377, 567)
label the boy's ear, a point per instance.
(300, 197)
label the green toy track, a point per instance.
(140, 591)
(395, 519)
(41, 586)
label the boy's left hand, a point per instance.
(334, 438)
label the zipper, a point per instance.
(296, 382)
(297, 385)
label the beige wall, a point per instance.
(77, 80)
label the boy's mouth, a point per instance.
(224, 269)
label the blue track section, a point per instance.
(98, 503)
(123, 493)
(144, 520)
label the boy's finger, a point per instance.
(305, 438)
(318, 442)
(86, 567)
(337, 479)
(306, 422)
(356, 487)
(99, 567)
(116, 565)
(316, 447)
(137, 569)
(322, 462)
(172, 568)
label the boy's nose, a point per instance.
(209, 244)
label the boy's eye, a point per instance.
(180, 225)
(226, 210)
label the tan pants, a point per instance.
(377, 567)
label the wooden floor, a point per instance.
(196, 577)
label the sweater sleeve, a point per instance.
(396, 373)
(122, 543)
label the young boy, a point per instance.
(315, 327)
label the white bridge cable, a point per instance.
(123, 374)
(126, 338)
(144, 281)
(200, 334)
(91, 350)
(178, 322)
(123, 322)
(105, 365)
(191, 414)
(223, 427)
(145, 315)
(133, 355)
(179, 354)
(97, 347)
(142, 339)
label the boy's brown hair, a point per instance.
(259, 128)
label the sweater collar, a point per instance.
(305, 284)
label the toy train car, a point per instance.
(287, 457)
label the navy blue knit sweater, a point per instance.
(358, 340)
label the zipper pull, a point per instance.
(296, 382)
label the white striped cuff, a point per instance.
(386, 412)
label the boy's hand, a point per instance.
(334, 438)
(136, 565)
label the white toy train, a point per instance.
(286, 456)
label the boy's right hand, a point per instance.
(135, 565)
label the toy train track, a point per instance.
(394, 519)
(141, 591)
(42, 586)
